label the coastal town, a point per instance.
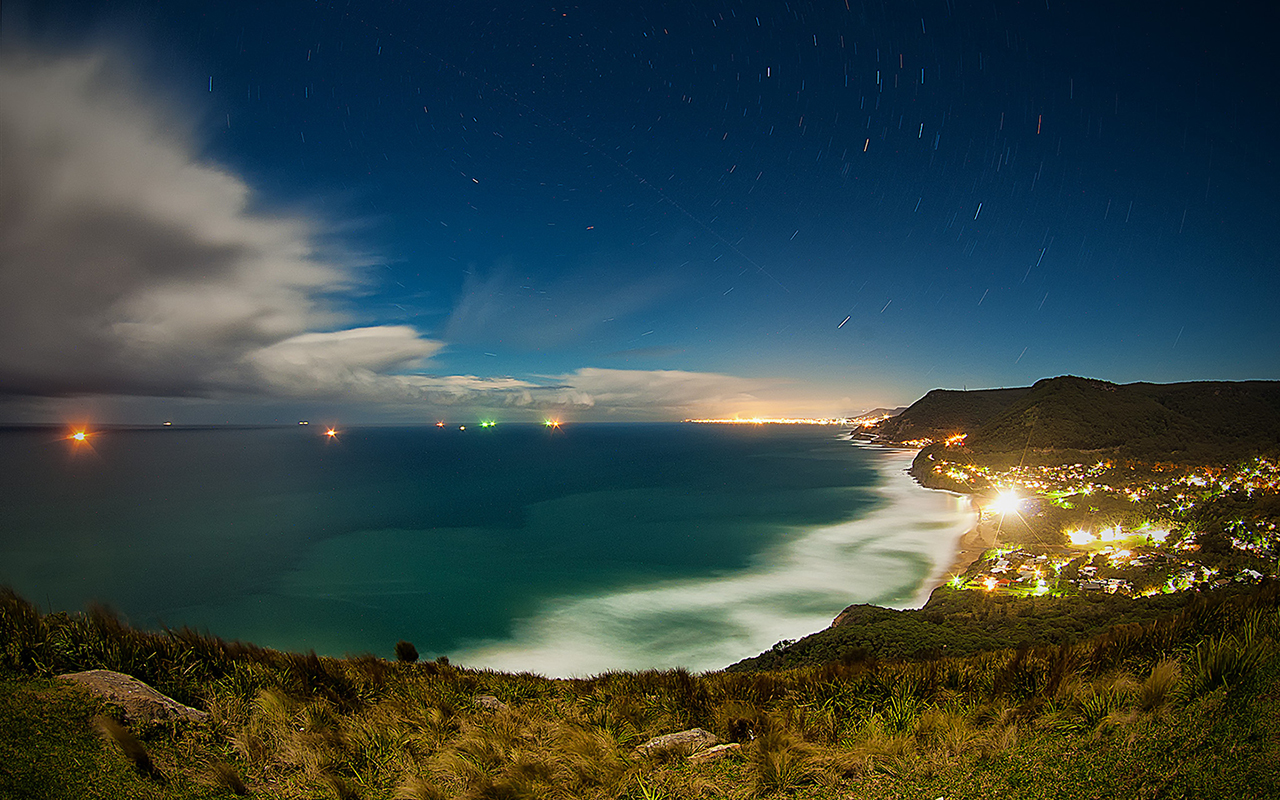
(1122, 528)
(1117, 526)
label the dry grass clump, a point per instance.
(307, 726)
(782, 762)
(1159, 687)
(129, 745)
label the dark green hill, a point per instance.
(1182, 422)
(1071, 418)
(943, 412)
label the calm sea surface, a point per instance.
(566, 551)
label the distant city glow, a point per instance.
(869, 421)
(774, 421)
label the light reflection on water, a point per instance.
(890, 557)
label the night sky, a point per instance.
(414, 211)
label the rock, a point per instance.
(490, 702)
(713, 753)
(683, 743)
(140, 702)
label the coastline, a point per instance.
(970, 547)
(891, 556)
(967, 549)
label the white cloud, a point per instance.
(531, 313)
(350, 363)
(591, 393)
(129, 266)
(669, 390)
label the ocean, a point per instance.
(563, 551)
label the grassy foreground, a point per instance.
(1184, 706)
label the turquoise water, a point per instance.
(563, 551)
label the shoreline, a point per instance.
(890, 555)
(968, 548)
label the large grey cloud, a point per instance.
(129, 266)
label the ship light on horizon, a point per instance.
(331, 433)
(551, 423)
(80, 439)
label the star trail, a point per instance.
(628, 211)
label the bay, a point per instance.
(564, 551)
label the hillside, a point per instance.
(943, 412)
(1182, 705)
(962, 623)
(1180, 422)
(1075, 419)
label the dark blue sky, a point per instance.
(635, 211)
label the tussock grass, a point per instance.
(129, 745)
(302, 725)
(1159, 686)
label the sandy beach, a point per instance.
(975, 541)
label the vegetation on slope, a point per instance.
(943, 412)
(1208, 422)
(961, 623)
(1182, 706)
(1059, 420)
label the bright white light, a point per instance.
(1111, 534)
(1007, 502)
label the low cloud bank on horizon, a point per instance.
(130, 267)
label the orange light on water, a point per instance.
(331, 433)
